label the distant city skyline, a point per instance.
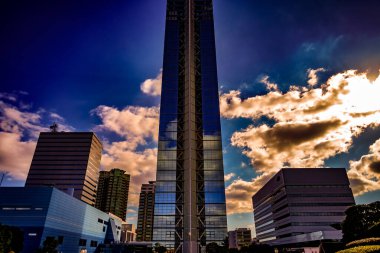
(287, 95)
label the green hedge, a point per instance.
(362, 249)
(366, 241)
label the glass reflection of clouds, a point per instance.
(203, 132)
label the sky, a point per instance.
(299, 87)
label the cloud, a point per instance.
(8, 96)
(15, 160)
(310, 125)
(135, 124)
(364, 174)
(229, 176)
(141, 165)
(137, 128)
(312, 74)
(239, 193)
(152, 87)
(56, 116)
(19, 130)
(269, 85)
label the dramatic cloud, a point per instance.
(16, 160)
(135, 124)
(310, 126)
(229, 176)
(19, 129)
(141, 165)
(269, 85)
(312, 74)
(152, 87)
(239, 194)
(365, 173)
(135, 153)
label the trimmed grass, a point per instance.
(366, 241)
(362, 249)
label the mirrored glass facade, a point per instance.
(190, 209)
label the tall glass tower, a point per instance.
(190, 205)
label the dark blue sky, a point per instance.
(82, 53)
(72, 56)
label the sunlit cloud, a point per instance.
(152, 87)
(310, 125)
(141, 165)
(268, 84)
(15, 160)
(313, 77)
(134, 123)
(229, 176)
(19, 130)
(364, 174)
(137, 129)
(239, 193)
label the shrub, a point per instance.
(360, 222)
(362, 249)
(366, 241)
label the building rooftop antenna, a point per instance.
(54, 128)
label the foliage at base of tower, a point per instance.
(361, 221)
(213, 247)
(11, 239)
(49, 245)
(257, 248)
(158, 248)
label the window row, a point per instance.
(173, 154)
(209, 175)
(164, 209)
(163, 234)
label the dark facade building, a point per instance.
(239, 237)
(144, 229)
(190, 209)
(112, 193)
(69, 161)
(298, 206)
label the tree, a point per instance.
(159, 248)
(49, 245)
(226, 242)
(11, 239)
(213, 247)
(257, 248)
(360, 219)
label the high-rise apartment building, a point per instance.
(112, 193)
(239, 237)
(298, 206)
(69, 161)
(146, 211)
(190, 209)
